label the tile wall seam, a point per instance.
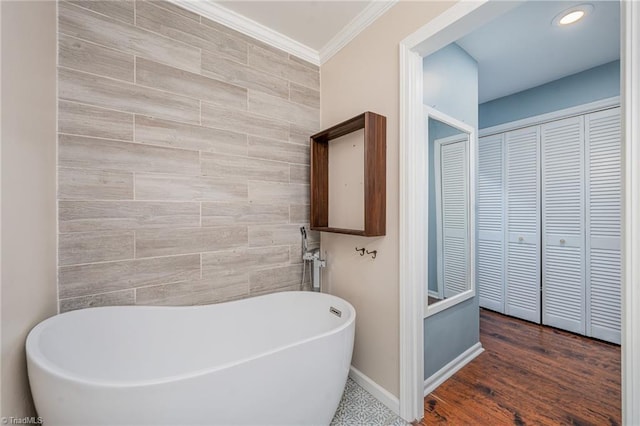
(279, 183)
(187, 123)
(128, 201)
(202, 101)
(199, 73)
(97, 137)
(98, 294)
(275, 140)
(251, 157)
(270, 118)
(80, 6)
(164, 9)
(94, 106)
(215, 76)
(104, 262)
(133, 142)
(144, 30)
(130, 53)
(57, 148)
(199, 21)
(147, 286)
(100, 46)
(163, 92)
(284, 78)
(137, 84)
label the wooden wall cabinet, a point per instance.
(375, 131)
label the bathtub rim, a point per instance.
(32, 348)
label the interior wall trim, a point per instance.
(452, 368)
(631, 224)
(589, 107)
(377, 391)
(212, 10)
(251, 28)
(450, 25)
(368, 16)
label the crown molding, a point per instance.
(373, 11)
(212, 10)
(240, 23)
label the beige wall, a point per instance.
(183, 158)
(28, 187)
(364, 77)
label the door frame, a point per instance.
(458, 20)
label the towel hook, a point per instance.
(374, 253)
(361, 251)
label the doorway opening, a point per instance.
(449, 27)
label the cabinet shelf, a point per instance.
(375, 130)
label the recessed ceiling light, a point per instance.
(572, 15)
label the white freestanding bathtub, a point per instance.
(279, 359)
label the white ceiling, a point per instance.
(522, 49)
(312, 23)
(516, 51)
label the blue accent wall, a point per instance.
(450, 86)
(450, 83)
(594, 84)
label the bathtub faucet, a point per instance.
(313, 256)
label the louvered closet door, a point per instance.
(563, 230)
(603, 135)
(490, 222)
(454, 208)
(522, 290)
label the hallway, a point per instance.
(530, 374)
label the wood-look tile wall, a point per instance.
(183, 157)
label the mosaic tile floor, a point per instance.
(360, 408)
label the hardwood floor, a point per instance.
(531, 375)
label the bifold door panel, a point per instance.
(604, 224)
(490, 222)
(563, 290)
(549, 223)
(522, 290)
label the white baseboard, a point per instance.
(451, 368)
(377, 391)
